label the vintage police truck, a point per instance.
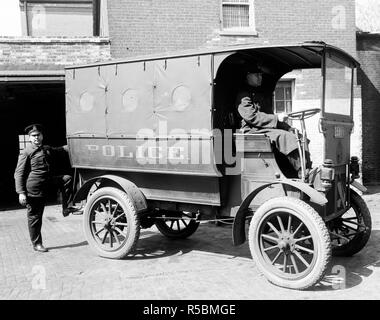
(155, 140)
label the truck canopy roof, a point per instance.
(293, 56)
(119, 97)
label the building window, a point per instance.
(23, 142)
(52, 18)
(238, 15)
(283, 97)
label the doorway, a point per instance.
(22, 104)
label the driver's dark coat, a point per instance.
(33, 169)
(257, 121)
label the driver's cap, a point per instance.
(33, 128)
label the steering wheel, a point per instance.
(303, 114)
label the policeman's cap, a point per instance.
(254, 70)
(34, 128)
(255, 67)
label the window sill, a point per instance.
(248, 33)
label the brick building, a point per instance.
(147, 26)
(46, 35)
(368, 51)
(368, 45)
(37, 39)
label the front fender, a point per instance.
(129, 187)
(238, 230)
(359, 186)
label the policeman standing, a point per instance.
(32, 178)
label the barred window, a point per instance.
(23, 140)
(238, 14)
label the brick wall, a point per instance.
(147, 26)
(50, 53)
(330, 21)
(368, 46)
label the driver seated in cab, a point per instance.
(250, 103)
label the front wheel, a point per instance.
(289, 243)
(111, 225)
(351, 231)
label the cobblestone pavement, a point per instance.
(205, 266)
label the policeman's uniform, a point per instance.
(33, 176)
(256, 121)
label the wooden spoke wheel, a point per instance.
(111, 225)
(289, 243)
(351, 231)
(178, 225)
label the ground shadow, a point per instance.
(208, 238)
(342, 272)
(74, 245)
(348, 272)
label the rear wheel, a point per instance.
(289, 243)
(178, 225)
(111, 224)
(351, 231)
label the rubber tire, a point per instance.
(131, 215)
(359, 241)
(185, 233)
(316, 226)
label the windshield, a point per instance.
(338, 79)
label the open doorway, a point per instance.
(22, 104)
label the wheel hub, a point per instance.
(109, 224)
(283, 245)
(286, 242)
